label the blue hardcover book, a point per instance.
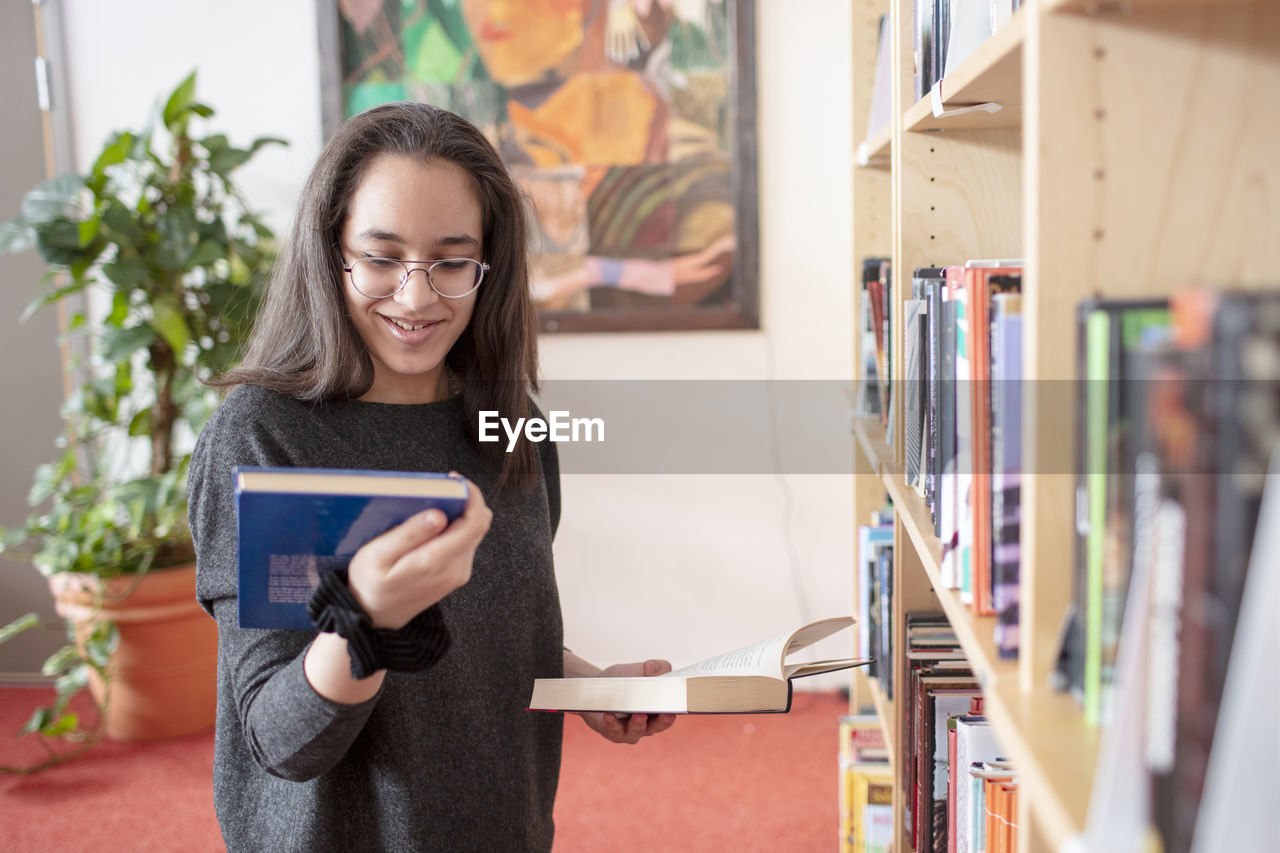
(294, 523)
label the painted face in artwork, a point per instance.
(408, 210)
(520, 41)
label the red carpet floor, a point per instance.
(742, 783)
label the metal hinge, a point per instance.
(42, 84)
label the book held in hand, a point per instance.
(753, 679)
(295, 523)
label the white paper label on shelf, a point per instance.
(939, 111)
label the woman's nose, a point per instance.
(417, 292)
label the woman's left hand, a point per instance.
(630, 728)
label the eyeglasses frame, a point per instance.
(410, 269)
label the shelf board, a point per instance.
(976, 633)
(885, 711)
(1054, 751)
(875, 150)
(992, 74)
(870, 434)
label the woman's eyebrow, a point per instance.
(384, 236)
(458, 240)
(392, 237)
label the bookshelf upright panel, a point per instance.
(871, 238)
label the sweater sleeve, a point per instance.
(289, 729)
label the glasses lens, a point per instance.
(456, 276)
(377, 278)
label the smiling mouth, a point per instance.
(409, 327)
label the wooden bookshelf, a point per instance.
(886, 710)
(870, 435)
(874, 152)
(1044, 734)
(992, 75)
(1133, 155)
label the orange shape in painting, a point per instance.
(603, 118)
(521, 41)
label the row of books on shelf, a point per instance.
(959, 790)
(975, 805)
(865, 786)
(962, 417)
(875, 592)
(1178, 420)
(951, 805)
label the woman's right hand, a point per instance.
(412, 566)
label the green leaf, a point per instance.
(41, 718)
(59, 244)
(17, 626)
(215, 142)
(68, 722)
(263, 141)
(52, 199)
(207, 252)
(119, 309)
(141, 423)
(100, 644)
(51, 297)
(116, 151)
(75, 679)
(120, 344)
(122, 222)
(60, 661)
(179, 103)
(178, 237)
(171, 324)
(228, 159)
(17, 236)
(126, 274)
(48, 477)
(88, 230)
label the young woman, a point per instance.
(399, 310)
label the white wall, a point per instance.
(258, 67)
(675, 566)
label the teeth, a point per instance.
(407, 327)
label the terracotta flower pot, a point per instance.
(164, 673)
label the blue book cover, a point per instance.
(294, 523)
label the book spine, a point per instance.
(959, 567)
(1006, 520)
(913, 415)
(933, 474)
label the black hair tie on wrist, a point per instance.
(413, 648)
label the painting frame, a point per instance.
(737, 304)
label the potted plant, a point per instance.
(170, 260)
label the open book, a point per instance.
(753, 679)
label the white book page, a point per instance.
(766, 657)
(763, 658)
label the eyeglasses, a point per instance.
(452, 278)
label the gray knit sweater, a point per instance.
(446, 759)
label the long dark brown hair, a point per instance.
(303, 342)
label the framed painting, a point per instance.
(630, 125)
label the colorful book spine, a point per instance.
(1006, 445)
